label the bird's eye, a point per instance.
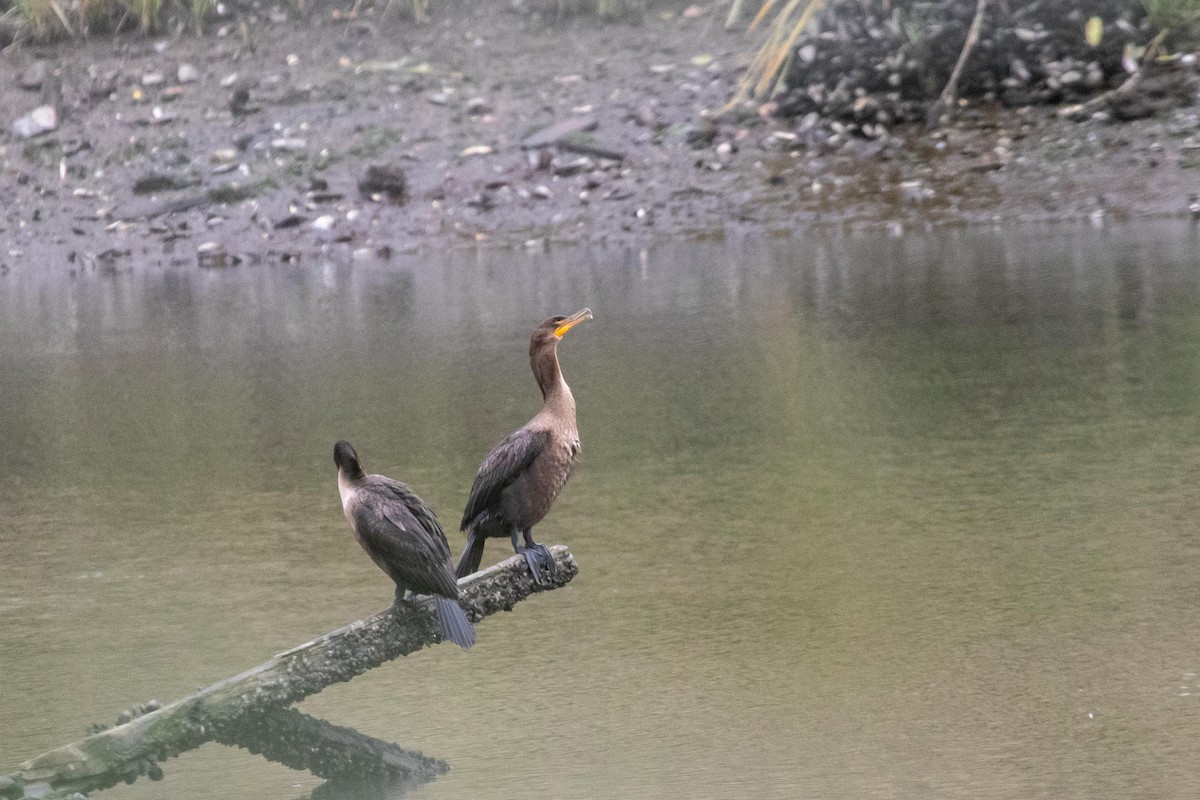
(557, 320)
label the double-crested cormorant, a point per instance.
(520, 478)
(402, 535)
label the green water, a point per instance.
(857, 516)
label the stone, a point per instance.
(42, 119)
(33, 76)
(552, 133)
(384, 179)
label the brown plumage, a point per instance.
(403, 537)
(519, 480)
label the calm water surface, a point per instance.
(857, 517)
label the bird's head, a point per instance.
(346, 458)
(553, 329)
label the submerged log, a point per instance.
(220, 712)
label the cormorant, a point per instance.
(403, 536)
(519, 479)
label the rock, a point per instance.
(153, 182)
(1026, 35)
(571, 166)
(1020, 71)
(384, 179)
(478, 106)
(31, 79)
(103, 85)
(647, 114)
(187, 74)
(239, 102)
(289, 144)
(160, 117)
(552, 133)
(42, 119)
(290, 221)
(324, 222)
(153, 79)
(212, 255)
(700, 133)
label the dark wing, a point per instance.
(507, 461)
(403, 536)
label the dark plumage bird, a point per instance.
(402, 535)
(520, 478)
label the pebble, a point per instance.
(477, 106)
(211, 255)
(572, 166)
(34, 75)
(229, 80)
(42, 119)
(324, 222)
(187, 73)
(153, 79)
(289, 144)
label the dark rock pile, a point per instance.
(870, 65)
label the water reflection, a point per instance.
(858, 516)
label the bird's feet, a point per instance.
(540, 561)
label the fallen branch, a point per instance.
(949, 95)
(220, 712)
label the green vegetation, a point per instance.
(1176, 18)
(773, 54)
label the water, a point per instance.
(857, 517)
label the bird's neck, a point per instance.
(555, 392)
(348, 481)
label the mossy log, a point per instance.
(225, 711)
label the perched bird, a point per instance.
(402, 535)
(519, 479)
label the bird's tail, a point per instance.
(472, 555)
(454, 623)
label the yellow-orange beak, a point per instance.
(573, 320)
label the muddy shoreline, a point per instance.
(253, 141)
